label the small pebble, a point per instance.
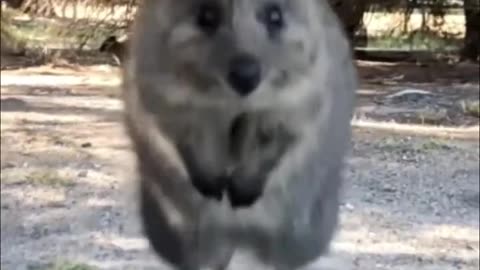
(83, 174)
(86, 145)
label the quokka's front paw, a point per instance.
(211, 189)
(244, 192)
(207, 186)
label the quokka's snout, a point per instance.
(245, 74)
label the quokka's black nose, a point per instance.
(244, 74)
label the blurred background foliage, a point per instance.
(377, 28)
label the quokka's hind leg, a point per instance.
(226, 262)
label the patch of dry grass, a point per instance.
(434, 145)
(471, 108)
(66, 265)
(49, 178)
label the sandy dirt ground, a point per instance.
(411, 201)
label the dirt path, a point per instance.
(411, 203)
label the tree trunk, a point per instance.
(350, 13)
(471, 46)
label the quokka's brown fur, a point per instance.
(226, 164)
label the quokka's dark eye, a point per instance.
(209, 17)
(273, 17)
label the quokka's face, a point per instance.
(227, 50)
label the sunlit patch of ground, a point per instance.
(471, 133)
